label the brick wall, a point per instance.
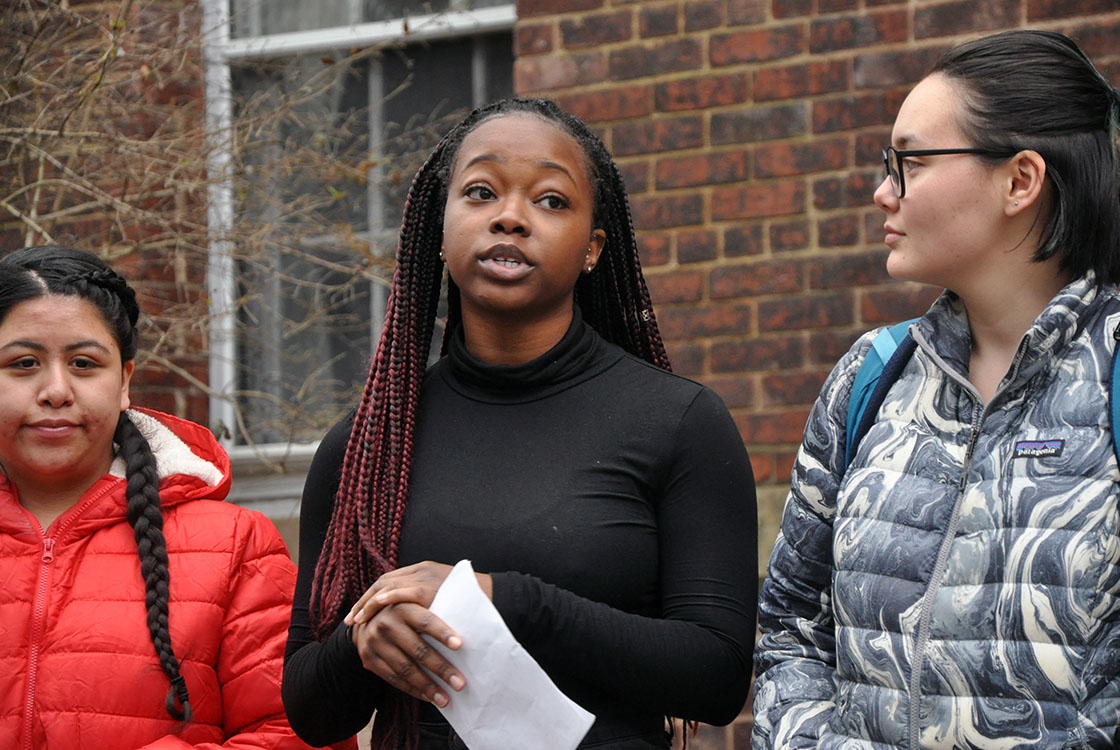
(749, 133)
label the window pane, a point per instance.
(319, 205)
(383, 10)
(260, 17)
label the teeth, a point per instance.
(507, 262)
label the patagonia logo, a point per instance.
(1039, 448)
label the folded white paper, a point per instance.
(509, 701)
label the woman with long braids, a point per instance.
(606, 504)
(137, 610)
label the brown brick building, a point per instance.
(749, 133)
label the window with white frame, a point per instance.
(320, 113)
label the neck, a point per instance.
(999, 317)
(47, 505)
(496, 340)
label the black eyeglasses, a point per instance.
(892, 161)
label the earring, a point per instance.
(1016, 203)
(441, 256)
(589, 268)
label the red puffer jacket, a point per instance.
(79, 669)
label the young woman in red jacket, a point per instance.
(137, 610)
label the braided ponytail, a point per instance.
(146, 519)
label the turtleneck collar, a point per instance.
(579, 355)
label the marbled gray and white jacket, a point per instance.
(959, 586)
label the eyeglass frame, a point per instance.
(899, 190)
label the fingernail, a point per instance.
(439, 699)
(380, 597)
(456, 682)
(454, 642)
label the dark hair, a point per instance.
(1036, 90)
(36, 272)
(362, 541)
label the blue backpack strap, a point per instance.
(890, 350)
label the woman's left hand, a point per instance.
(415, 583)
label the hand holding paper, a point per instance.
(509, 701)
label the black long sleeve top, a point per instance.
(614, 507)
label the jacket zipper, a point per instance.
(39, 623)
(921, 641)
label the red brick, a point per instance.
(900, 302)
(851, 32)
(757, 200)
(742, 239)
(756, 45)
(887, 69)
(611, 104)
(774, 428)
(658, 20)
(783, 464)
(1041, 10)
(965, 17)
(852, 191)
(659, 212)
(802, 79)
(697, 246)
(785, 159)
(687, 358)
(743, 12)
(658, 136)
(858, 111)
(792, 235)
(654, 249)
(666, 288)
(827, 347)
(791, 388)
(760, 124)
(533, 39)
(780, 277)
(1098, 39)
(655, 59)
(635, 175)
(737, 392)
(591, 30)
(702, 92)
(836, 6)
(869, 148)
(699, 321)
(838, 231)
(792, 8)
(861, 269)
(531, 8)
(761, 354)
(700, 15)
(762, 463)
(702, 169)
(541, 73)
(805, 311)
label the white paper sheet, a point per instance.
(509, 701)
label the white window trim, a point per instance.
(219, 50)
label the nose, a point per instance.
(55, 391)
(510, 217)
(884, 196)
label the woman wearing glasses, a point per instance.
(957, 585)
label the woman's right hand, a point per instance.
(391, 647)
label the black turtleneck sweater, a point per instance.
(614, 507)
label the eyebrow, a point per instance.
(546, 163)
(35, 346)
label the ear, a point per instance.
(126, 378)
(595, 245)
(1026, 178)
